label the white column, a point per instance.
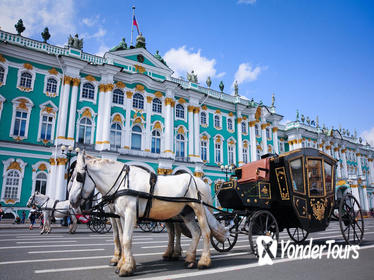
(191, 133)
(168, 127)
(371, 169)
(127, 121)
(356, 194)
(240, 138)
(60, 179)
(359, 167)
(264, 139)
(338, 169)
(197, 133)
(148, 137)
(344, 159)
(100, 117)
(106, 120)
(73, 109)
(63, 110)
(365, 200)
(171, 124)
(275, 140)
(51, 182)
(252, 139)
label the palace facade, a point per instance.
(127, 106)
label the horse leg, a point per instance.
(129, 265)
(117, 243)
(169, 251)
(120, 223)
(45, 225)
(188, 217)
(205, 260)
(177, 247)
(74, 223)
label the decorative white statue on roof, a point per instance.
(75, 42)
(192, 77)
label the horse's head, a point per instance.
(78, 187)
(31, 200)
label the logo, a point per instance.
(267, 249)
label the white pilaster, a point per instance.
(63, 111)
(338, 169)
(275, 139)
(365, 200)
(240, 138)
(51, 182)
(253, 141)
(359, 167)
(127, 121)
(264, 139)
(191, 134)
(60, 179)
(148, 137)
(100, 117)
(197, 156)
(168, 125)
(344, 159)
(371, 170)
(107, 112)
(356, 194)
(73, 109)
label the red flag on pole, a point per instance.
(134, 22)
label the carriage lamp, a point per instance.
(226, 168)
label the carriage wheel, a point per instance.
(158, 227)
(262, 223)
(351, 221)
(231, 240)
(298, 235)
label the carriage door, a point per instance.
(299, 197)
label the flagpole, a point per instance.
(132, 23)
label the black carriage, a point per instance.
(293, 191)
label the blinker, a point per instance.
(81, 177)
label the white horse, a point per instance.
(53, 208)
(109, 177)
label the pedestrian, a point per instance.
(23, 217)
(32, 217)
(1, 212)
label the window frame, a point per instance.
(322, 174)
(219, 118)
(245, 126)
(182, 144)
(136, 133)
(158, 105)
(206, 118)
(20, 105)
(19, 78)
(120, 130)
(82, 84)
(6, 168)
(5, 66)
(227, 123)
(291, 174)
(119, 96)
(158, 139)
(181, 110)
(140, 101)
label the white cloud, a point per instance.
(246, 2)
(58, 16)
(99, 34)
(368, 135)
(90, 21)
(220, 75)
(182, 61)
(247, 73)
(102, 50)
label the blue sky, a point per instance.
(316, 56)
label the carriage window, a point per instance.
(315, 177)
(328, 176)
(297, 178)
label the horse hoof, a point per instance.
(175, 258)
(190, 265)
(202, 266)
(117, 270)
(125, 273)
(166, 258)
(113, 263)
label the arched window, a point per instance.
(157, 105)
(179, 111)
(229, 123)
(204, 150)
(244, 128)
(180, 146)
(268, 133)
(156, 142)
(26, 79)
(51, 85)
(12, 182)
(217, 152)
(115, 136)
(203, 120)
(258, 154)
(136, 138)
(138, 101)
(85, 130)
(41, 183)
(245, 155)
(2, 73)
(217, 121)
(88, 91)
(118, 96)
(257, 131)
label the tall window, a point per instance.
(136, 138)
(118, 97)
(41, 183)
(2, 73)
(268, 133)
(180, 146)
(231, 154)
(258, 154)
(51, 85)
(12, 181)
(257, 131)
(138, 101)
(85, 130)
(217, 152)
(245, 155)
(203, 120)
(204, 150)
(115, 136)
(179, 111)
(88, 91)
(217, 121)
(244, 128)
(156, 142)
(229, 123)
(157, 105)
(26, 79)
(46, 129)
(20, 122)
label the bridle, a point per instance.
(32, 201)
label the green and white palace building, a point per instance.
(127, 106)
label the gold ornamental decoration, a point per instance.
(139, 87)
(149, 99)
(102, 87)
(318, 208)
(67, 80)
(157, 125)
(181, 101)
(109, 87)
(76, 82)
(117, 118)
(90, 78)
(42, 167)
(120, 85)
(48, 110)
(87, 113)
(14, 165)
(52, 71)
(22, 104)
(27, 66)
(204, 107)
(140, 69)
(2, 59)
(129, 94)
(196, 110)
(198, 174)
(158, 94)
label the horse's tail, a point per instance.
(218, 230)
